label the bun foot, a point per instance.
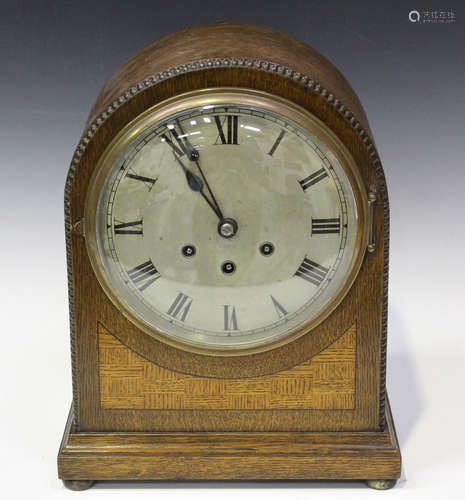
(381, 484)
(77, 485)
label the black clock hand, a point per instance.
(195, 158)
(196, 184)
(193, 155)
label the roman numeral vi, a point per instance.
(230, 318)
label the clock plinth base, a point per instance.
(91, 456)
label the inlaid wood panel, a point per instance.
(129, 381)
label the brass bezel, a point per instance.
(218, 96)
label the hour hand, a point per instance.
(193, 156)
(196, 184)
(193, 181)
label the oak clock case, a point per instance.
(227, 225)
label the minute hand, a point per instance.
(195, 158)
(193, 155)
(196, 184)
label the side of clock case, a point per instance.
(244, 56)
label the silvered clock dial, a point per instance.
(226, 222)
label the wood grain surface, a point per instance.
(228, 40)
(326, 381)
(187, 456)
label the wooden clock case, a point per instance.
(315, 408)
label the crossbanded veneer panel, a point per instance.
(129, 381)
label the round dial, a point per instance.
(226, 222)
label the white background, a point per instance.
(410, 80)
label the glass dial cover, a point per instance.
(226, 222)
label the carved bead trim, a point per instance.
(268, 66)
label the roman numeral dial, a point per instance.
(227, 129)
(133, 227)
(180, 307)
(312, 179)
(177, 140)
(280, 311)
(312, 272)
(230, 318)
(148, 181)
(277, 142)
(227, 226)
(143, 275)
(326, 226)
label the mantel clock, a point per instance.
(227, 235)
